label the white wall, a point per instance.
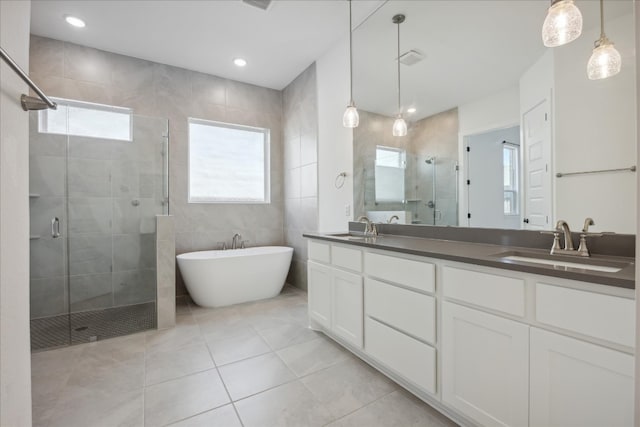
(498, 111)
(594, 129)
(335, 142)
(15, 358)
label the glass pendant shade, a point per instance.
(562, 25)
(605, 61)
(351, 118)
(399, 126)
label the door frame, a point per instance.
(463, 189)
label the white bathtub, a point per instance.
(219, 278)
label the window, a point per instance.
(510, 178)
(87, 119)
(389, 174)
(228, 163)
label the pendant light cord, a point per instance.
(602, 19)
(350, 57)
(399, 110)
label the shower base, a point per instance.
(87, 326)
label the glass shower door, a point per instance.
(49, 303)
(98, 278)
(116, 189)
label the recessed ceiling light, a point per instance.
(76, 22)
(411, 110)
(240, 62)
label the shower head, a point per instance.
(430, 160)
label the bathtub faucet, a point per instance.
(236, 238)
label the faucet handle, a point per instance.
(242, 244)
(223, 245)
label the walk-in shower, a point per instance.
(437, 185)
(98, 178)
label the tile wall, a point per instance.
(115, 190)
(437, 136)
(300, 118)
(71, 71)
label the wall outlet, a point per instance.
(347, 210)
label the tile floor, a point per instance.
(254, 364)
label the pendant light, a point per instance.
(563, 23)
(399, 126)
(605, 60)
(350, 119)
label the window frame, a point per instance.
(43, 114)
(266, 132)
(514, 188)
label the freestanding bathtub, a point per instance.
(219, 278)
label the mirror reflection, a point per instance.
(494, 118)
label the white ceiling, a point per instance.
(206, 36)
(473, 49)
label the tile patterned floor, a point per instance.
(254, 364)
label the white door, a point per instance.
(536, 142)
(578, 384)
(485, 366)
(319, 288)
(347, 307)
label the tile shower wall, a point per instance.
(300, 108)
(114, 191)
(374, 130)
(437, 136)
(71, 71)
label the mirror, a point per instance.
(506, 132)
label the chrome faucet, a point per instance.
(236, 238)
(370, 227)
(396, 217)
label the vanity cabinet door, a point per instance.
(579, 384)
(485, 366)
(319, 288)
(347, 307)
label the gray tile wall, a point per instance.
(436, 135)
(300, 108)
(165, 255)
(114, 193)
(77, 72)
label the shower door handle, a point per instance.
(55, 228)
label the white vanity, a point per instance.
(484, 345)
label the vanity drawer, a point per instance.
(505, 294)
(410, 358)
(601, 316)
(319, 251)
(348, 258)
(403, 309)
(413, 274)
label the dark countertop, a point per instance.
(490, 255)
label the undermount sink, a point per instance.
(560, 262)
